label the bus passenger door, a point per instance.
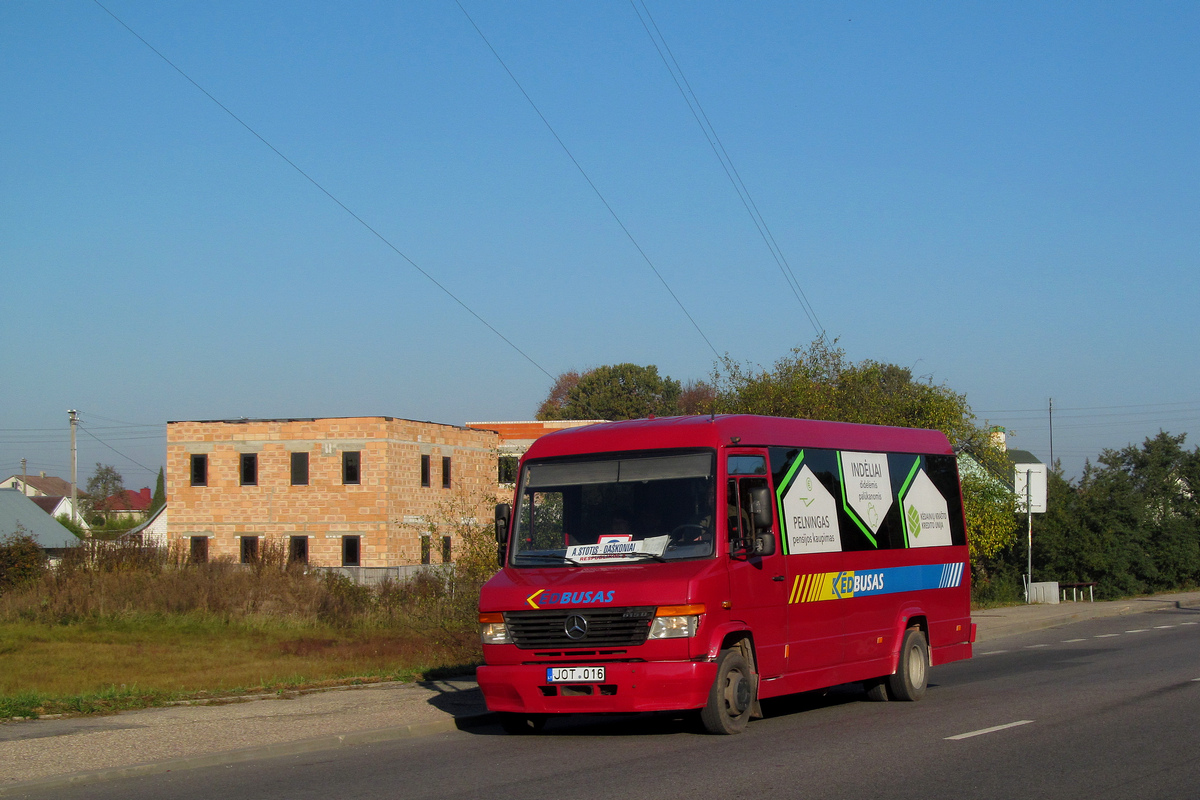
(812, 541)
(757, 584)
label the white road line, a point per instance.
(1068, 641)
(1160, 627)
(1189, 623)
(988, 730)
(1105, 635)
(993, 652)
(1032, 646)
(1138, 630)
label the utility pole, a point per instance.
(74, 416)
(1029, 521)
(1051, 433)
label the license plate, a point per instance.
(574, 674)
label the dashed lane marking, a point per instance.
(1138, 630)
(1105, 635)
(1069, 641)
(993, 652)
(1033, 646)
(988, 730)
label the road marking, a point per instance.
(1068, 641)
(988, 730)
(993, 652)
(1160, 627)
(1032, 646)
(1189, 623)
(1105, 635)
(1138, 630)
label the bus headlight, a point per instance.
(492, 629)
(676, 622)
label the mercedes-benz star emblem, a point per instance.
(575, 627)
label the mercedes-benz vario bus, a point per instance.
(709, 562)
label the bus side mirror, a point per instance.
(763, 542)
(760, 508)
(503, 515)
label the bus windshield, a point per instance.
(615, 510)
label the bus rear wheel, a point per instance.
(731, 699)
(912, 673)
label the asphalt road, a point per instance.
(1106, 708)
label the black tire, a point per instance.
(522, 724)
(912, 673)
(876, 689)
(731, 699)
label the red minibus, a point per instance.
(708, 562)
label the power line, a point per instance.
(326, 192)
(590, 183)
(1091, 408)
(115, 450)
(718, 148)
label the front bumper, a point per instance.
(628, 688)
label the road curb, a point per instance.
(989, 631)
(221, 758)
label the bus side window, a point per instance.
(731, 502)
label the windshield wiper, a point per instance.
(548, 557)
(641, 555)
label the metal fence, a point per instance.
(373, 576)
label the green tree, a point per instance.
(819, 382)
(1131, 524)
(616, 391)
(160, 493)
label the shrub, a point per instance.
(21, 559)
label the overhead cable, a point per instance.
(735, 178)
(590, 183)
(327, 193)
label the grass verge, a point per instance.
(104, 666)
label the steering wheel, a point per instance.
(680, 535)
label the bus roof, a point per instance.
(740, 430)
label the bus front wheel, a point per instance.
(912, 673)
(731, 699)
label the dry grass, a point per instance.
(125, 626)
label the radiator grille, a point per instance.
(600, 627)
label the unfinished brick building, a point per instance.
(354, 491)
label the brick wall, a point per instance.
(388, 508)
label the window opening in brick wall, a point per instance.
(425, 548)
(299, 469)
(351, 467)
(199, 469)
(249, 549)
(198, 549)
(249, 469)
(507, 469)
(424, 470)
(351, 555)
(445, 472)
(445, 549)
(298, 549)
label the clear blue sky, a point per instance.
(1004, 197)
